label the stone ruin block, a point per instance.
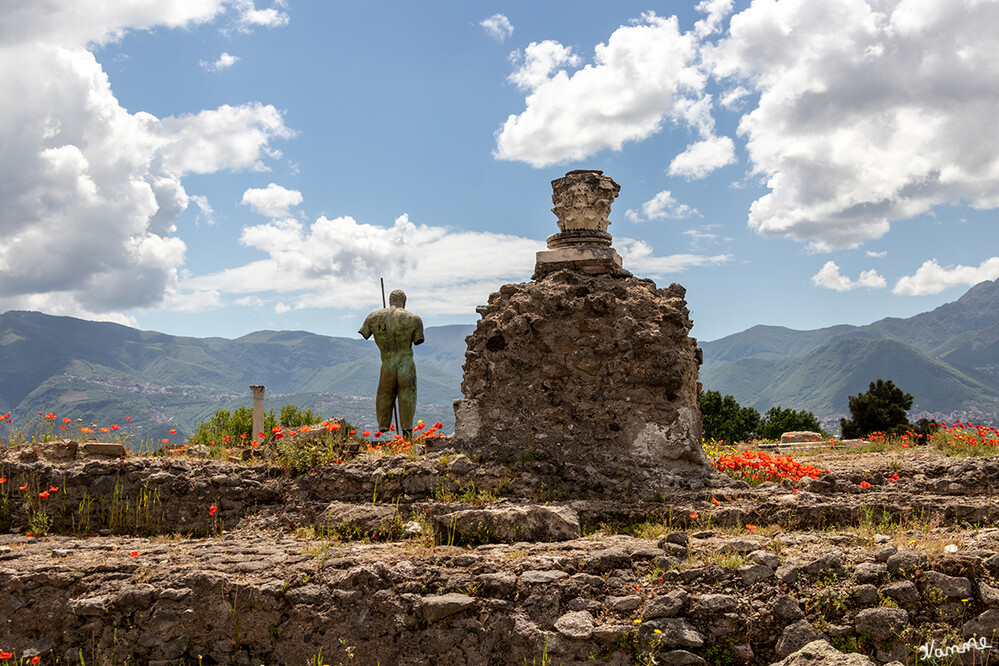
(586, 366)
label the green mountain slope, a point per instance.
(822, 380)
(928, 332)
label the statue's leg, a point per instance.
(388, 386)
(407, 395)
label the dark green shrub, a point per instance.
(724, 419)
(884, 408)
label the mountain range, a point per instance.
(948, 359)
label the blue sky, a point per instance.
(215, 167)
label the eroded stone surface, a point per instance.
(292, 594)
(503, 522)
(594, 373)
(821, 653)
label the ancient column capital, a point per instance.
(583, 200)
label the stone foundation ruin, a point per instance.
(586, 366)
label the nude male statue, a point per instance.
(395, 330)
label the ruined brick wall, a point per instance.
(596, 372)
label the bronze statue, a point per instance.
(396, 330)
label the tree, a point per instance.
(778, 420)
(724, 419)
(884, 408)
(223, 423)
(292, 417)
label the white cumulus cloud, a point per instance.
(829, 277)
(661, 207)
(716, 11)
(538, 61)
(76, 24)
(703, 157)
(250, 17)
(224, 62)
(869, 112)
(337, 263)
(645, 74)
(932, 278)
(498, 27)
(272, 201)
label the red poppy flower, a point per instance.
(165, 441)
(50, 416)
(694, 516)
(212, 509)
(67, 420)
(43, 494)
(128, 418)
(438, 425)
(378, 433)
(172, 431)
(3, 479)
(115, 426)
(35, 660)
(6, 655)
(53, 489)
(865, 484)
(105, 430)
(24, 487)
(226, 438)
(750, 527)
(366, 433)
(134, 553)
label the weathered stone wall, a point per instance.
(271, 598)
(257, 590)
(595, 372)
